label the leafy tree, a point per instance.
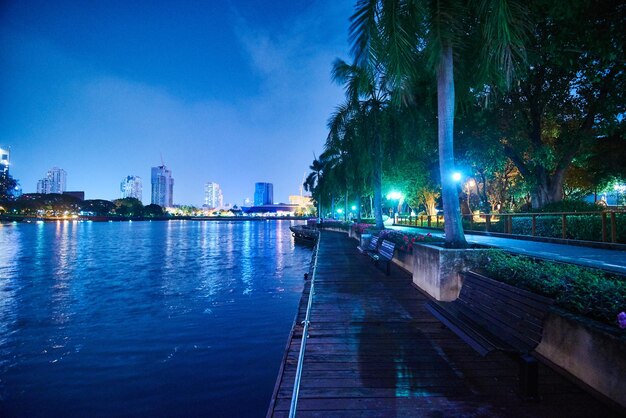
(128, 207)
(7, 185)
(570, 96)
(98, 207)
(153, 211)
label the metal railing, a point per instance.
(305, 335)
(607, 227)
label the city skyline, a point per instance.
(230, 92)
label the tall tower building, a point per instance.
(263, 194)
(54, 182)
(131, 187)
(162, 186)
(213, 197)
(4, 161)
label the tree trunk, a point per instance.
(358, 208)
(455, 238)
(377, 180)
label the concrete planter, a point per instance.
(580, 346)
(404, 260)
(436, 269)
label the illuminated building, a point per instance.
(54, 182)
(263, 194)
(131, 187)
(4, 162)
(213, 197)
(162, 187)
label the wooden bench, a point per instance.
(384, 253)
(491, 315)
(371, 247)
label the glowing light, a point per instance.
(456, 176)
(395, 196)
(340, 211)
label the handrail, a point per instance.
(305, 331)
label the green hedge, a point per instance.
(580, 227)
(580, 290)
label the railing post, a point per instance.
(534, 228)
(487, 222)
(437, 219)
(613, 228)
(603, 226)
(428, 219)
(471, 222)
(564, 226)
(510, 223)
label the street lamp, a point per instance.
(456, 176)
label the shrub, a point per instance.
(580, 227)
(580, 290)
(333, 223)
(406, 240)
(570, 206)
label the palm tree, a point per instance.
(312, 183)
(366, 98)
(394, 32)
(347, 147)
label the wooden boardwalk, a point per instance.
(375, 351)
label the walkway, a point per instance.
(611, 260)
(375, 351)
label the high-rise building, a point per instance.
(54, 182)
(162, 187)
(263, 194)
(131, 187)
(4, 161)
(213, 197)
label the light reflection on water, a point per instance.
(176, 318)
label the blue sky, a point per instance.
(233, 92)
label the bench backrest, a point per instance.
(373, 243)
(386, 249)
(512, 314)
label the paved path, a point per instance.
(375, 351)
(611, 260)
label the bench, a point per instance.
(371, 247)
(491, 315)
(384, 253)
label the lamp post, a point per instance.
(395, 196)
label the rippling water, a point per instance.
(177, 318)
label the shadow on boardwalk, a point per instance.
(374, 350)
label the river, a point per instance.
(171, 318)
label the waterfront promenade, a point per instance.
(374, 350)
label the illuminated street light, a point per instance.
(456, 176)
(339, 211)
(353, 207)
(395, 196)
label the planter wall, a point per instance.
(404, 260)
(436, 269)
(595, 357)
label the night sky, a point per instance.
(234, 92)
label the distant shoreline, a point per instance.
(34, 219)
